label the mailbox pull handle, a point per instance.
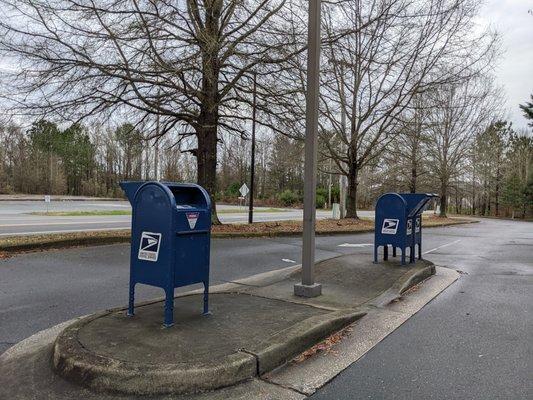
(179, 233)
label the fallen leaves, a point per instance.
(326, 346)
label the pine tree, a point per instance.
(528, 110)
(513, 193)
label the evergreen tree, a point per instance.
(528, 110)
(77, 156)
(513, 193)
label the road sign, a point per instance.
(47, 198)
(244, 190)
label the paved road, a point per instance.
(39, 290)
(16, 217)
(471, 342)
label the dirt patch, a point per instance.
(292, 227)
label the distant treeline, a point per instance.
(495, 177)
(81, 161)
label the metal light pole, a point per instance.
(308, 287)
(252, 166)
(329, 185)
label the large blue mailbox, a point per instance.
(398, 223)
(170, 238)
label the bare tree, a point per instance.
(399, 50)
(406, 154)
(458, 114)
(183, 61)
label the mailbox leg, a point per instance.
(131, 302)
(386, 252)
(403, 256)
(375, 254)
(169, 307)
(412, 254)
(206, 298)
(420, 250)
(394, 251)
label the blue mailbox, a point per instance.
(170, 238)
(398, 223)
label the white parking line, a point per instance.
(355, 245)
(440, 247)
(288, 260)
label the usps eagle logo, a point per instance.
(149, 246)
(390, 226)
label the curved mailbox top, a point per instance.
(181, 195)
(390, 202)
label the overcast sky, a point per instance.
(513, 19)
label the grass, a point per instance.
(82, 213)
(90, 213)
(244, 210)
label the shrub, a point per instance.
(233, 190)
(320, 200)
(288, 198)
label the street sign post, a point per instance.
(252, 161)
(47, 200)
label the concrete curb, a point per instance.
(314, 372)
(407, 281)
(300, 337)
(102, 374)
(64, 243)
(95, 241)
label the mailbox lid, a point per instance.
(189, 195)
(416, 202)
(130, 188)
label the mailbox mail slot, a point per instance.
(170, 239)
(398, 223)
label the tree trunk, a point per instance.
(412, 185)
(351, 206)
(206, 158)
(443, 199)
(207, 128)
(414, 167)
(497, 194)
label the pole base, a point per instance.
(302, 290)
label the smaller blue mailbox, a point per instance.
(170, 238)
(399, 223)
